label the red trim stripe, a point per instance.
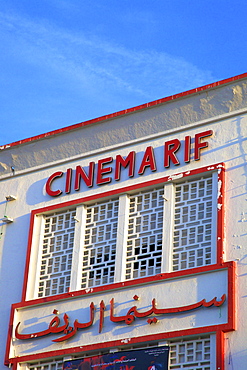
(132, 341)
(220, 350)
(218, 329)
(130, 283)
(232, 293)
(111, 193)
(9, 336)
(221, 216)
(126, 111)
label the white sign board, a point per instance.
(141, 310)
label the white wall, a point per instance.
(35, 162)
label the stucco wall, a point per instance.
(220, 109)
(196, 107)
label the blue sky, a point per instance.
(64, 62)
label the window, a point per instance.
(46, 365)
(193, 224)
(99, 252)
(144, 241)
(57, 248)
(170, 227)
(193, 354)
(196, 353)
(56, 256)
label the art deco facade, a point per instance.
(128, 232)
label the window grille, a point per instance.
(144, 242)
(100, 244)
(57, 248)
(45, 365)
(153, 236)
(191, 354)
(192, 237)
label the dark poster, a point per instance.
(142, 359)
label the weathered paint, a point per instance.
(220, 107)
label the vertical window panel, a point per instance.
(193, 224)
(99, 251)
(144, 241)
(56, 254)
(46, 365)
(194, 354)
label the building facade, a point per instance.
(124, 238)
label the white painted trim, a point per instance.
(214, 216)
(122, 234)
(77, 257)
(212, 351)
(168, 223)
(35, 258)
(100, 151)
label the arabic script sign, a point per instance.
(149, 310)
(133, 313)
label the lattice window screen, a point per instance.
(144, 243)
(57, 251)
(192, 243)
(100, 244)
(191, 354)
(44, 365)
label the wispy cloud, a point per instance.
(88, 61)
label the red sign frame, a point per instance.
(230, 266)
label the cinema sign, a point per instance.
(143, 310)
(109, 169)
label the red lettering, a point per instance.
(171, 147)
(53, 193)
(170, 156)
(68, 181)
(80, 173)
(148, 161)
(103, 170)
(187, 144)
(198, 145)
(128, 161)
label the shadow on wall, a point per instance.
(13, 258)
(173, 156)
(36, 193)
(241, 139)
